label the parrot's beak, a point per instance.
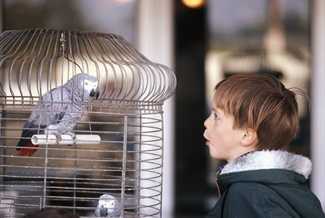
(103, 212)
(94, 93)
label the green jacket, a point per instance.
(266, 184)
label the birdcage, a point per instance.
(104, 156)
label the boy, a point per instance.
(254, 118)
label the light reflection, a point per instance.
(123, 1)
(193, 3)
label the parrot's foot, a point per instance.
(73, 136)
(58, 138)
(51, 130)
(58, 132)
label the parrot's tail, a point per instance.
(27, 148)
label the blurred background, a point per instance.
(205, 41)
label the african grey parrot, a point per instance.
(58, 111)
(108, 206)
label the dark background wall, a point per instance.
(190, 150)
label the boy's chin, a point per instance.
(216, 155)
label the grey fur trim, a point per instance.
(270, 159)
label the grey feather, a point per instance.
(61, 108)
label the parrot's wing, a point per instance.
(48, 112)
(67, 112)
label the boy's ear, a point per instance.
(249, 137)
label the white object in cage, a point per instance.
(111, 145)
(65, 139)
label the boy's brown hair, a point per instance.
(263, 103)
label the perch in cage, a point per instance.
(81, 124)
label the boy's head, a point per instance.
(260, 106)
(260, 103)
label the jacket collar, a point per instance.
(270, 159)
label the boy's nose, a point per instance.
(206, 122)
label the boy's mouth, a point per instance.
(206, 138)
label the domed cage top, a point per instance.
(81, 124)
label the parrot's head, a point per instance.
(108, 206)
(86, 85)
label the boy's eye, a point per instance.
(215, 115)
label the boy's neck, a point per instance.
(241, 153)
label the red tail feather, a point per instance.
(28, 150)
